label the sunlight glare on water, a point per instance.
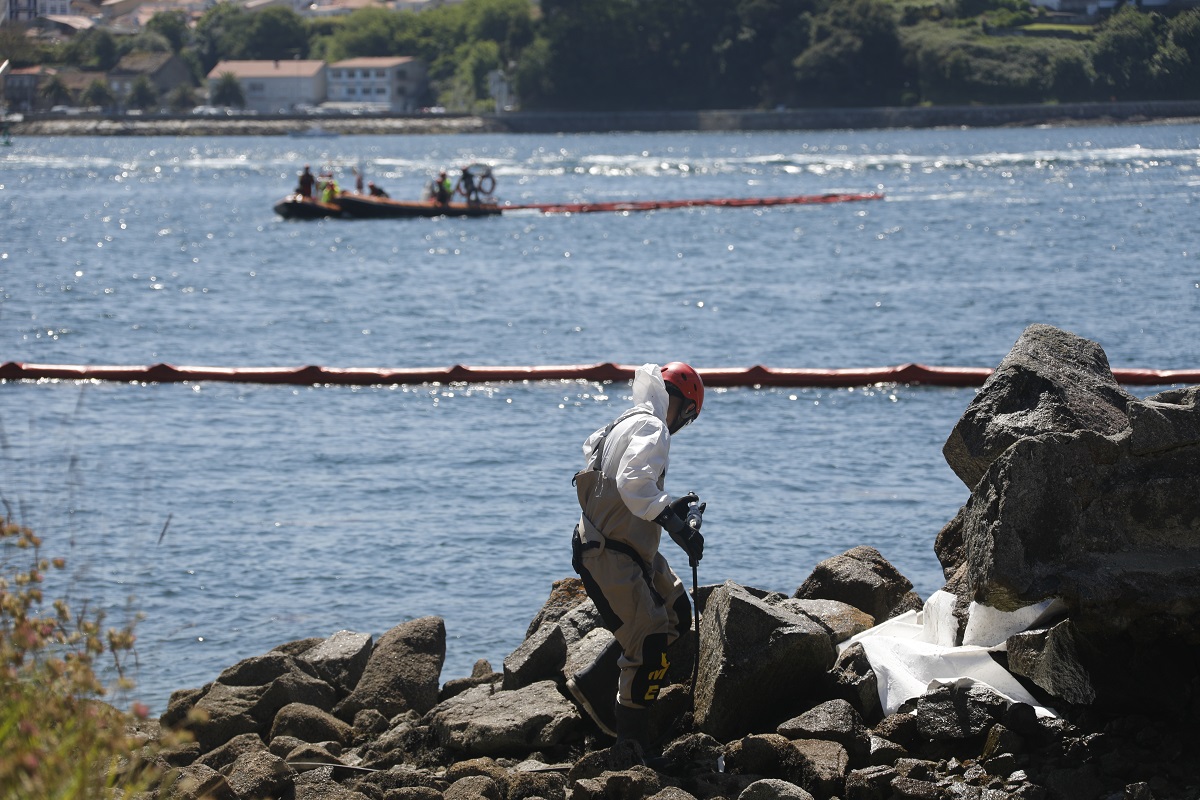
(293, 511)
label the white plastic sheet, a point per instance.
(914, 652)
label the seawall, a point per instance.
(848, 118)
(621, 121)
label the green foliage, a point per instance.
(531, 80)
(57, 739)
(1177, 63)
(759, 47)
(227, 31)
(55, 91)
(181, 98)
(507, 23)
(104, 50)
(275, 32)
(228, 91)
(645, 54)
(195, 64)
(92, 49)
(1072, 78)
(664, 54)
(18, 48)
(912, 13)
(956, 66)
(1124, 50)
(142, 94)
(98, 93)
(1059, 29)
(172, 26)
(467, 90)
(367, 32)
(855, 57)
(588, 52)
(220, 34)
(1009, 18)
(975, 8)
(1184, 31)
(146, 41)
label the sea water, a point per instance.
(228, 519)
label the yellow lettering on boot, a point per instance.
(659, 674)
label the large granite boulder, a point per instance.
(835, 721)
(1051, 381)
(261, 670)
(220, 758)
(842, 620)
(863, 578)
(309, 724)
(245, 698)
(402, 672)
(1050, 658)
(1112, 530)
(565, 594)
(484, 722)
(547, 649)
(538, 658)
(747, 644)
(1089, 495)
(224, 713)
(260, 774)
(340, 659)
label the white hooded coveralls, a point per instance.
(641, 599)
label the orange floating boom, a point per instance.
(732, 202)
(913, 374)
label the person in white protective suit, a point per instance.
(615, 548)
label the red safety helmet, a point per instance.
(683, 381)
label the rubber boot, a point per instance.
(595, 687)
(632, 724)
(634, 739)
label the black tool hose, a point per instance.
(696, 619)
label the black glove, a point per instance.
(688, 538)
(680, 506)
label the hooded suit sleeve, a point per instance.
(643, 462)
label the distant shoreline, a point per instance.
(621, 121)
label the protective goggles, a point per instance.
(687, 414)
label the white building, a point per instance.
(271, 87)
(19, 10)
(386, 84)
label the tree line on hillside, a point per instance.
(702, 54)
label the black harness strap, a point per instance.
(616, 547)
(596, 462)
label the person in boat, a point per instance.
(376, 191)
(443, 189)
(467, 188)
(358, 180)
(615, 549)
(329, 188)
(307, 182)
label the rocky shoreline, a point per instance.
(1061, 115)
(246, 126)
(1085, 507)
